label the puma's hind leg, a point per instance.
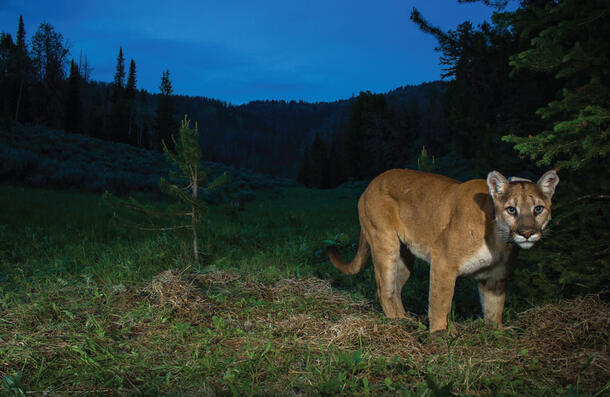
(391, 272)
(404, 267)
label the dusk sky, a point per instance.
(238, 51)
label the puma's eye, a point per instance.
(538, 209)
(511, 210)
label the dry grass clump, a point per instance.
(305, 327)
(176, 290)
(222, 277)
(572, 337)
(383, 338)
(310, 287)
(304, 287)
(181, 290)
(355, 331)
(322, 291)
(358, 324)
(256, 288)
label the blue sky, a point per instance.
(238, 51)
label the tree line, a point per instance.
(40, 83)
(382, 131)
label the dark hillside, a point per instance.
(271, 136)
(38, 156)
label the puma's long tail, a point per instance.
(359, 261)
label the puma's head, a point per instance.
(522, 207)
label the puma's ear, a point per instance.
(548, 182)
(497, 184)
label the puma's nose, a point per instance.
(526, 233)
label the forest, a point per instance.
(43, 85)
(99, 288)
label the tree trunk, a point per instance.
(19, 97)
(129, 137)
(194, 215)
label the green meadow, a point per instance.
(89, 306)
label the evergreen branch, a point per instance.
(587, 21)
(138, 226)
(220, 181)
(162, 229)
(497, 4)
(151, 228)
(178, 192)
(131, 205)
(425, 26)
(592, 197)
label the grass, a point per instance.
(88, 307)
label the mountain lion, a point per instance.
(461, 229)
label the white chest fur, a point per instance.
(482, 258)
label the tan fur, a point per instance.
(459, 228)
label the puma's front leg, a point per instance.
(493, 294)
(442, 285)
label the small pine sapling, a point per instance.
(424, 163)
(185, 182)
(191, 177)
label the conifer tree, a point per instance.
(73, 111)
(304, 174)
(6, 49)
(365, 135)
(21, 35)
(412, 123)
(49, 57)
(424, 163)
(570, 39)
(84, 68)
(130, 93)
(336, 172)
(120, 116)
(119, 75)
(164, 122)
(358, 157)
(49, 52)
(319, 164)
(186, 157)
(166, 85)
(22, 64)
(131, 81)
